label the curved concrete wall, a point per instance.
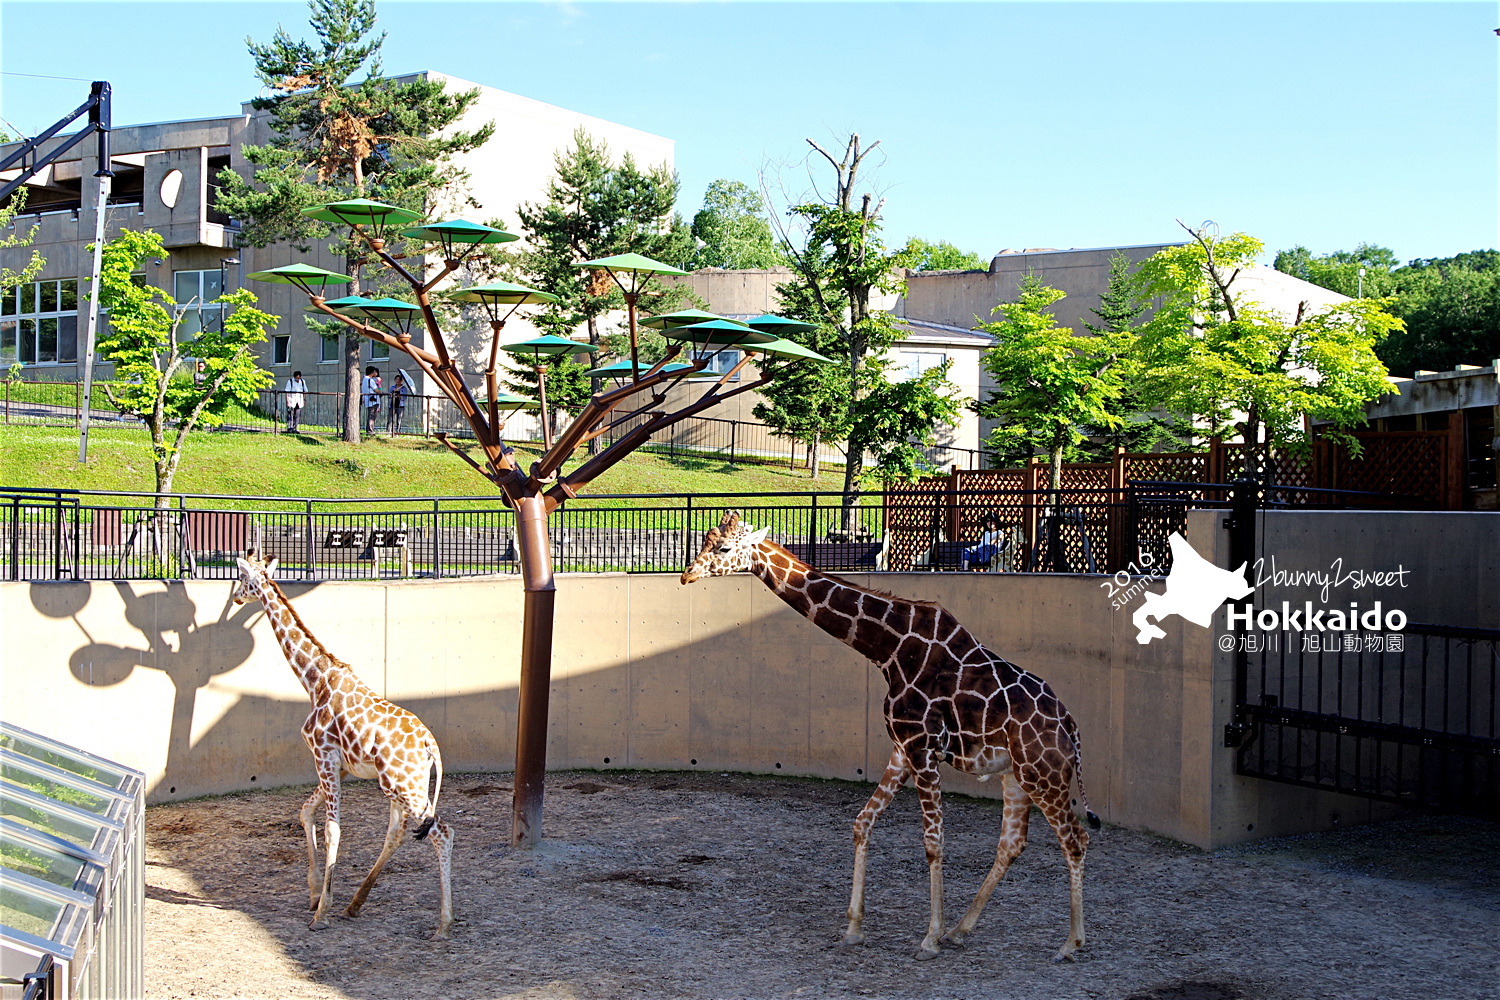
(172, 679)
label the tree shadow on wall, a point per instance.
(188, 653)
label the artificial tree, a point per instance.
(536, 492)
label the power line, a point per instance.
(39, 76)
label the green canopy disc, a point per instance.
(341, 304)
(718, 331)
(790, 349)
(622, 369)
(311, 280)
(499, 292)
(459, 231)
(383, 308)
(780, 325)
(362, 212)
(686, 317)
(512, 400)
(545, 347)
(632, 263)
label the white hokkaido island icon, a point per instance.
(1195, 587)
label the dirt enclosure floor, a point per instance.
(732, 886)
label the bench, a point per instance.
(837, 555)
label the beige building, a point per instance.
(164, 181)
(940, 310)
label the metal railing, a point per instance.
(65, 534)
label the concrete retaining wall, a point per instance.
(174, 680)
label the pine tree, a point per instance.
(1121, 306)
(597, 208)
(381, 139)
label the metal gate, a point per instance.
(1415, 725)
(1408, 717)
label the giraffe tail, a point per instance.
(1083, 795)
(434, 785)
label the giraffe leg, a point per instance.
(310, 827)
(395, 833)
(930, 793)
(1048, 779)
(442, 844)
(331, 847)
(1012, 843)
(1074, 841)
(896, 773)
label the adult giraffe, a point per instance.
(950, 700)
(352, 730)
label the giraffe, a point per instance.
(950, 700)
(353, 731)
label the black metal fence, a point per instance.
(100, 535)
(1408, 717)
(61, 535)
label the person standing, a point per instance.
(399, 391)
(370, 389)
(296, 398)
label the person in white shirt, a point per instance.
(296, 398)
(370, 389)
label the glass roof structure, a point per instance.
(72, 872)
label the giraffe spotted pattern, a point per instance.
(352, 730)
(949, 700)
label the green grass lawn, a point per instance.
(316, 465)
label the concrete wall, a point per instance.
(172, 679)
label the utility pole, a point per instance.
(29, 160)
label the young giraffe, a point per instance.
(353, 731)
(950, 700)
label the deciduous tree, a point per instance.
(1450, 305)
(731, 229)
(840, 264)
(1212, 352)
(154, 364)
(1051, 384)
(940, 256)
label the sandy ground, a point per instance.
(732, 886)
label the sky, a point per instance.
(1000, 124)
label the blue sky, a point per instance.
(1002, 124)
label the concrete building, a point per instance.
(164, 181)
(940, 310)
(1432, 401)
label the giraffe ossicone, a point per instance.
(352, 730)
(949, 700)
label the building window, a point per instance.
(40, 323)
(330, 352)
(379, 351)
(908, 365)
(194, 292)
(719, 361)
(281, 350)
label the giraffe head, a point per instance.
(253, 569)
(729, 548)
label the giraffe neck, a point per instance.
(851, 614)
(304, 653)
